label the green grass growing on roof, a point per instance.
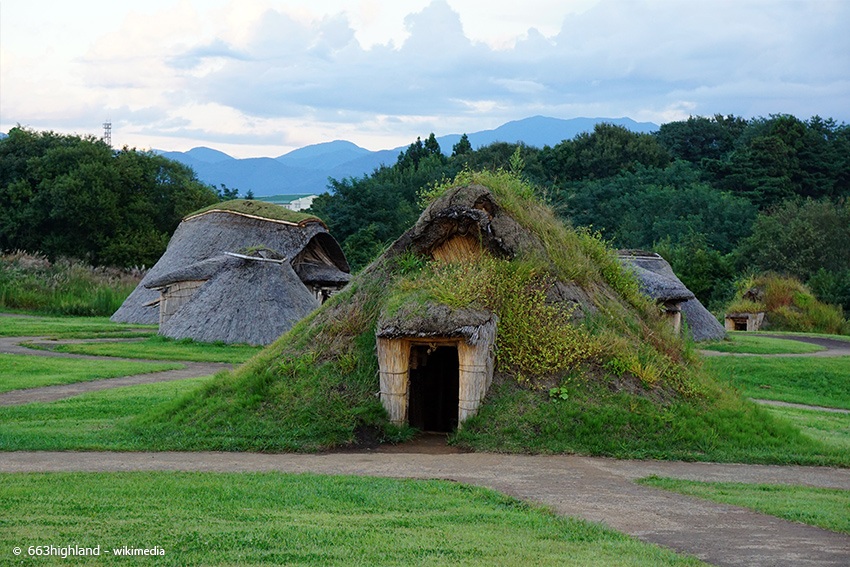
(257, 208)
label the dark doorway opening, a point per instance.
(434, 385)
(740, 324)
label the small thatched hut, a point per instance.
(239, 271)
(660, 283)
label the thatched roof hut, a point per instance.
(436, 362)
(243, 299)
(659, 282)
(206, 287)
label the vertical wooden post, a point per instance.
(394, 365)
(476, 359)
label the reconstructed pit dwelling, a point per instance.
(744, 321)
(436, 363)
(658, 281)
(238, 272)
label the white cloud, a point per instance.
(300, 71)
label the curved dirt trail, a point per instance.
(12, 345)
(834, 347)
(596, 489)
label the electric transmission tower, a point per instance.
(107, 132)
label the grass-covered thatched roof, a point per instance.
(584, 361)
(788, 305)
(261, 209)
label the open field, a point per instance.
(822, 507)
(161, 348)
(845, 338)
(125, 419)
(803, 380)
(21, 371)
(757, 344)
(827, 427)
(13, 325)
(97, 420)
(305, 519)
(273, 518)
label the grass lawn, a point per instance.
(823, 507)
(95, 421)
(162, 348)
(756, 344)
(828, 427)
(68, 327)
(21, 371)
(274, 518)
(799, 334)
(804, 380)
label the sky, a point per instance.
(264, 77)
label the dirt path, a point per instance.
(596, 489)
(834, 347)
(12, 345)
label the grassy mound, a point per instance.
(258, 209)
(601, 375)
(788, 305)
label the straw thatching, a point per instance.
(659, 282)
(464, 221)
(471, 331)
(242, 300)
(312, 266)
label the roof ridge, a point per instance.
(302, 223)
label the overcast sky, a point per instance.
(262, 77)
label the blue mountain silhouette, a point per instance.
(307, 169)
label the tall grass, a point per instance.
(33, 283)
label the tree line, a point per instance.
(720, 197)
(72, 196)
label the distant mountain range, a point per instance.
(306, 170)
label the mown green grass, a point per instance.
(68, 327)
(803, 380)
(822, 507)
(93, 421)
(19, 371)
(756, 344)
(595, 420)
(162, 348)
(845, 338)
(827, 427)
(283, 519)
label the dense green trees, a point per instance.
(718, 196)
(367, 213)
(609, 150)
(637, 209)
(70, 196)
